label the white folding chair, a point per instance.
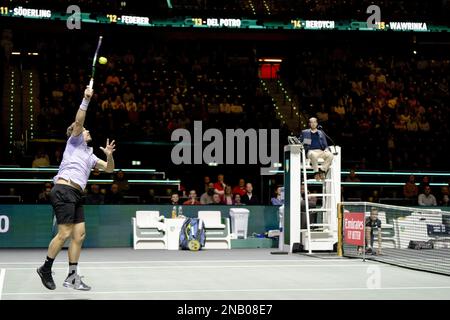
(148, 231)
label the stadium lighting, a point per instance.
(270, 60)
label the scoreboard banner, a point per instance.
(218, 22)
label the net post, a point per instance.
(340, 209)
(364, 234)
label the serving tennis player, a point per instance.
(66, 196)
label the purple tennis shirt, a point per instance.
(78, 160)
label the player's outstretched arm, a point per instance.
(81, 113)
(108, 165)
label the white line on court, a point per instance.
(223, 290)
(181, 261)
(222, 266)
(2, 279)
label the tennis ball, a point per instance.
(102, 60)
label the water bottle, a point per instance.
(180, 211)
(174, 212)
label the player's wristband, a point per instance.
(84, 104)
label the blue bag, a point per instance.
(192, 235)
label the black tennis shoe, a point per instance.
(46, 278)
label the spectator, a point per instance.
(131, 106)
(12, 192)
(41, 160)
(122, 182)
(44, 196)
(206, 181)
(174, 199)
(444, 201)
(249, 198)
(312, 203)
(176, 106)
(352, 192)
(352, 177)
(240, 189)
(114, 196)
(128, 95)
(216, 199)
(207, 197)
(426, 198)
(237, 200)
(374, 197)
(277, 200)
(107, 104)
(192, 199)
(312, 200)
(219, 186)
(117, 104)
(410, 189)
(228, 196)
(95, 197)
(112, 80)
(425, 182)
(57, 156)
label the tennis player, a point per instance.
(66, 196)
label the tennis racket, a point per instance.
(91, 82)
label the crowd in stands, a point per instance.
(396, 104)
(148, 93)
(222, 193)
(218, 193)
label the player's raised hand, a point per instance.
(88, 92)
(109, 148)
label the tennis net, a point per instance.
(409, 237)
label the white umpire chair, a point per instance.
(217, 230)
(148, 231)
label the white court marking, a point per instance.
(222, 266)
(2, 279)
(179, 261)
(223, 290)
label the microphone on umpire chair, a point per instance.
(319, 127)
